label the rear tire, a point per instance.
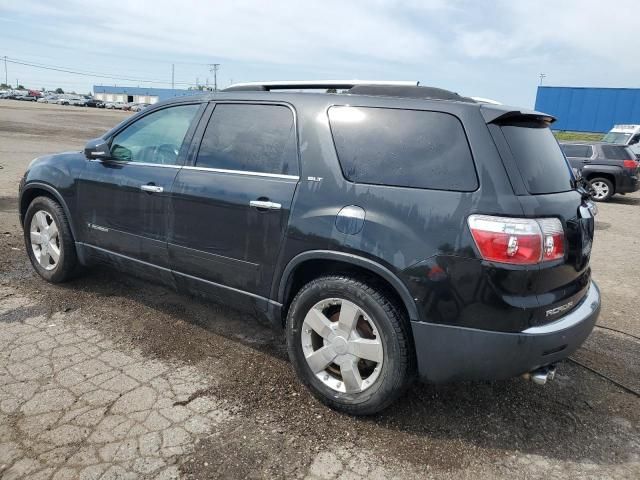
(602, 189)
(48, 241)
(349, 344)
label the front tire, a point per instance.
(48, 240)
(602, 189)
(349, 344)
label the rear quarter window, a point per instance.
(404, 148)
(616, 152)
(538, 157)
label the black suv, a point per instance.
(391, 231)
(609, 169)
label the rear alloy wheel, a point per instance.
(350, 344)
(341, 345)
(602, 189)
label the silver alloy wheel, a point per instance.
(45, 240)
(600, 190)
(341, 344)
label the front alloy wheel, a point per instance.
(45, 240)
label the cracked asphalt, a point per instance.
(110, 377)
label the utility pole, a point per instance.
(6, 72)
(173, 72)
(213, 67)
(542, 75)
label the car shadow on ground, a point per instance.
(578, 417)
(624, 200)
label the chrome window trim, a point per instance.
(243, 172)
(143, 164)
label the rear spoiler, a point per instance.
(503, 114)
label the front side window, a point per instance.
(403, 148)
(155, 138)
(250, 138)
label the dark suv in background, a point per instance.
(389, 230)
(608, 168)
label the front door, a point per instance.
(124, 199)
(230, 207)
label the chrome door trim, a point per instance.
(243, 172)
(265, 204)
(151, 188)
(142, 164)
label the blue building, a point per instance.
(108, 93)
(583, 109)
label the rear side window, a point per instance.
(537, 154)
(577, 151)
(250, 138)
(404, 148)
(616, 152)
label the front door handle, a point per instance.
(265, 205)
(151, 188)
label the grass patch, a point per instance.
(578, 136)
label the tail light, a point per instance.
(519, 241)
(630, 164)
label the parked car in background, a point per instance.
(608, 168)
(139, 107)
(94, 103)
(628, 135)
(48, 99)
(80, 101)
(115, 105)
(392, 233)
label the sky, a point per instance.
(493, 49)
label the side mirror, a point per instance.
(97, 148)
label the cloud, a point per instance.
(483, 48)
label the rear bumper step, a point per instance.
(448, 353)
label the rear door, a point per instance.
(577, 154)
(543, 181)
(230, 206)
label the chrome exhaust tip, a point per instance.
(541, 376)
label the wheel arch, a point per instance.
(312, 264)
(611, 176)
(37, 189)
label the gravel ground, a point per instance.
(111, 377)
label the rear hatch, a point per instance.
(543, 181)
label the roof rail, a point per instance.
(315, 84)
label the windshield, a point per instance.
(616, 137)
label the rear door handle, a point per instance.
(265, 205)
(151, 188)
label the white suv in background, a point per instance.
(626, 135)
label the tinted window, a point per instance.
(253, 138)
(584, 151)
(155, 138)
(615, 152)
(404, 148)
(538, 157)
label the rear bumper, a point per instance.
(448, 353)
(627, 184)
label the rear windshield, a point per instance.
(616, 152)
(404, 148)
(537, 154)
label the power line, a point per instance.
(85, 73)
